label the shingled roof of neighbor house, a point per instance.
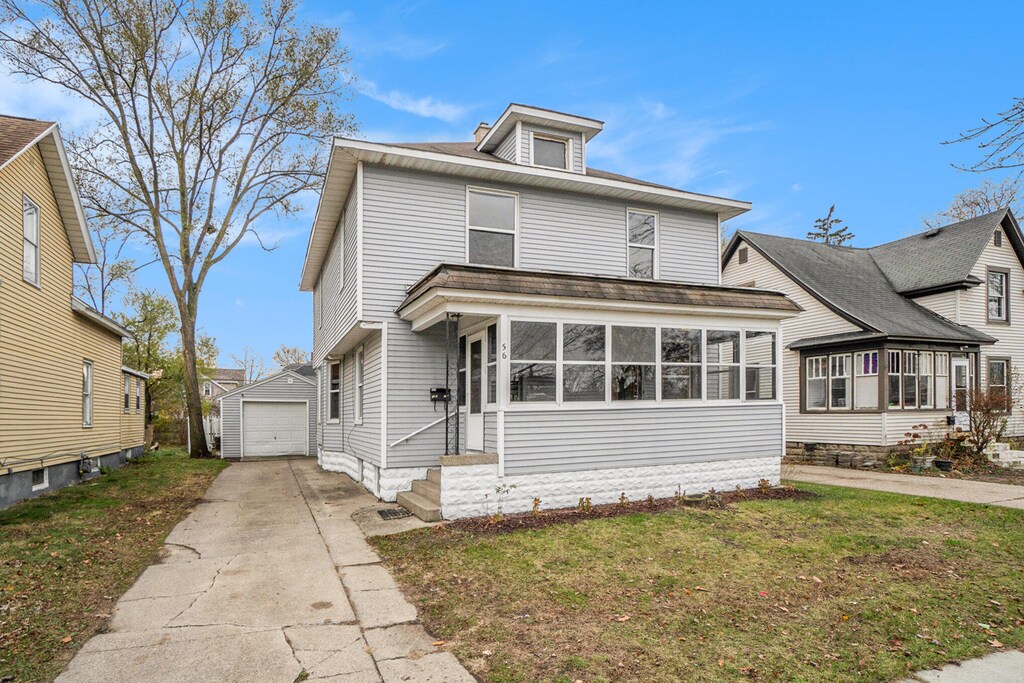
(304, 369)
(942, 256)
(461, 276)
(850, 282)
(17, 133)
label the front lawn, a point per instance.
(66, 558)
(847, 586)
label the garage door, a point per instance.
(274, 428)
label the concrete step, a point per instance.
(428, 490)
(420, 506)
(434, 475)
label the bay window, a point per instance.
(680, 363)
(583, 369)
(533, 367)
(723, 354)
(491, 218)
(865, 383)
(759, 361)
(634, 361)
(839, 387)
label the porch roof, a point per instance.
(461, 282)
(861, 338)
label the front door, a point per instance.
(961, 392)
(475, 394)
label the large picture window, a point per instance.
(532, 371)
(634, 364)
(643, 238)
(491, 219)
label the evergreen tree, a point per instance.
(830, 230)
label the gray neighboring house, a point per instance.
(890, 336)
(499, 313)
(275, 416)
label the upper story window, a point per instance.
(743, 254)
(30, 231)
(642, 228)
(207, 389)
(491, 217)
(998, 304)
(550, 151)
(997, 238)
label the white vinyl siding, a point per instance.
(284, 387)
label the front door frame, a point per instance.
(477, 393)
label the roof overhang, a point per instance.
(87, 311)
(65, 192)
(347, 155)
(521, 113)
(967, 283)
(131, 371)
(875, 340)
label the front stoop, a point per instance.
(424, 500)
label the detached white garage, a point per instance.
(275, 416)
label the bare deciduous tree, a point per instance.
(252, 364)
(1000, 140)
(977, 201)
(213, 116)
(289, 355)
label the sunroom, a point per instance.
(556, 372)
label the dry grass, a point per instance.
(848, 586)
(65, 558)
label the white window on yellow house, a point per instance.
(30, 243)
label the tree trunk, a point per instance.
(193, 401)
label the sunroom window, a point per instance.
(909, 379)
(492, 228)
(723, 355)
(759, 360)
(633, 364)
(894, 379)
(839, 387)
(532, 371)
(925, 377)
(942, 381)
(817, 383)
(680, 363)
(583, 354)
(865, 382)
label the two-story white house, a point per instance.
(892, 336)
(497, 321)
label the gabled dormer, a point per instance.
(531, 136)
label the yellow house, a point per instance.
(67, 406)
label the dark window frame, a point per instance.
(1005, 272)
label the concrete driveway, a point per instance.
(269, 579)
(1005, 495)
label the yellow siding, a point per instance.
(133, 422)
(43, 342)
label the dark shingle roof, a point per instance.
(468, 150)
(850, 282)
(228, 375)
(544, 283)
(304, 369)
(17, 133)
(936, 258)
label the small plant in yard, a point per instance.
(623, 500)
(584, 505)
(989, 415)
(764, 486)
(500, 491)
(536, 507)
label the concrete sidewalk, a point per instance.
(999, 667)
(269, 579)
(1005, 495)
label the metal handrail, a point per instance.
(418, 431)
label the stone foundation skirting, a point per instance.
(470, 490)
(837, 455)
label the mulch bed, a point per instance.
(542, 518)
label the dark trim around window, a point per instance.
(1006, 295)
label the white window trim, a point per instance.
(822, 361)
(773, 366)
(514, 232)
(559, 404)
(207, 389)
(330, 364)
(858, 371)
(931, 380)
(87, 390)
(567, 141)
(656, 248)
(359, 377)
(488, 365)
(138, 395)
(46, 480)
(127, 402)
(846, 362)
(37, 282)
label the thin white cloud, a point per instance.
(240, 303)
(796, 187)
(427, 107)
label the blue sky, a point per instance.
(792, 107)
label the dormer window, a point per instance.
(550, 152)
